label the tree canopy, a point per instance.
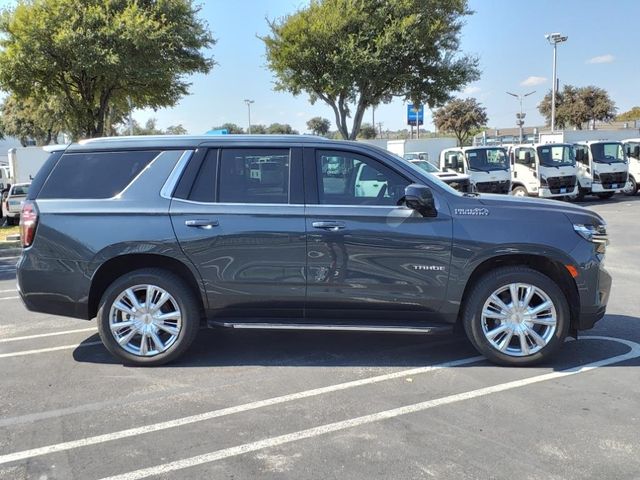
(281, 128)
(579, 106)
(353, 54)
(630, 115)
(367, 131)
(319, 126)
(29, 119)
(95, 53)
(461, 117)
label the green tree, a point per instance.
(31, 119)
(231, 128)
(367, 131)
(176, 130)
(579, 107)
(461, 117)
(319, 126)
(96, 53)
(280, 128)
(353, 54)
(630, 115)
(258, 129)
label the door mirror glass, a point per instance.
(419, 198)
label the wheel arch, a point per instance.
(119, 265)
(551, 267)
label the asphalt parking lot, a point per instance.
(243, 405)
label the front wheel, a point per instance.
(148, 317)
(516, 316)
(633, 187)
(519, 191)
(605, 195)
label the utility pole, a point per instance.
(520, 116)
(249, 102)
(554, 39)
(130, 115)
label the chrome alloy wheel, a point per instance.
(519, 319)
(145, 320)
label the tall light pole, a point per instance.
(520, 116)
(554, 39)
(249, 102)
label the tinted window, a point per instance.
(254, 176)
(203, 189)
(356, 180)
(96, 174)
(17, 190)
(521, 156)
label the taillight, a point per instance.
(28, 223)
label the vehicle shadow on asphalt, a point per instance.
(228, 348)
(591, 201)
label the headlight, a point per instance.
(543, 181)
(596, 234)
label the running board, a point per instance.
(424, 330)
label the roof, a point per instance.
(187, 141)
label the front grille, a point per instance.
(558, 183)
(493, 187)
(610, 179)
(460, 185)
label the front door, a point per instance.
(241, 223)
(367, 258)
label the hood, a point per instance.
(575, 213)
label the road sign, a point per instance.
(413, 114)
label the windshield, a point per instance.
(19, 190)
(607, 152)
(426, 166)
(487, 159)
(556, 156)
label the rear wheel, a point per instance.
(605, 195)
(516, 316)
(519, 191)
(632, 189)
(148, 317)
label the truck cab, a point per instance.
(632, 150)
(487, 167)
(602, 168)
(543, 170)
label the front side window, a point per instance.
(582, 154)
(556, 156)
(453, 161)
(607, 152)
(521, 156)
(487, 159)
(633, 149)
(357, 180)
(254, 176)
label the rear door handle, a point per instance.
(329, 226)
(201, 223)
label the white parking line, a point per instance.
(8, 291)
(179, 422)
(376, 417)
(51, 334)
(9, 298)
(45, 350)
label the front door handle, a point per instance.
(201, 223)
(329, 226)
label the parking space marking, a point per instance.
(8, 291)
(51, 334)
(179, 422)
(377, 417)
(9, 298)
(45, 350)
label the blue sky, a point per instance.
(507, 35)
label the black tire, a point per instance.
(519, 191)
(491, 282)
(634, 187)
(177, 288)
(605, 195)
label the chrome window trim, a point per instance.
(308, 205)
(172, 180)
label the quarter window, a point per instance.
(351, 179)
(254, 176)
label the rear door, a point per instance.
(367, 258)
(239, 217)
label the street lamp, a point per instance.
(520, 116)
(554, 39)
(249, 102)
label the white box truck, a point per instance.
(25, 162)
(602, 168)
(487, 167)
(632, 149)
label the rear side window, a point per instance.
(95, 174)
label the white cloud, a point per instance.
(533, 81)
(471, 90)
(608, 58)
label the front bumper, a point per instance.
(597, 187)
(545, 192)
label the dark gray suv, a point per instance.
(158, 236)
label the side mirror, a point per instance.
(419, 198)
(636, 152)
